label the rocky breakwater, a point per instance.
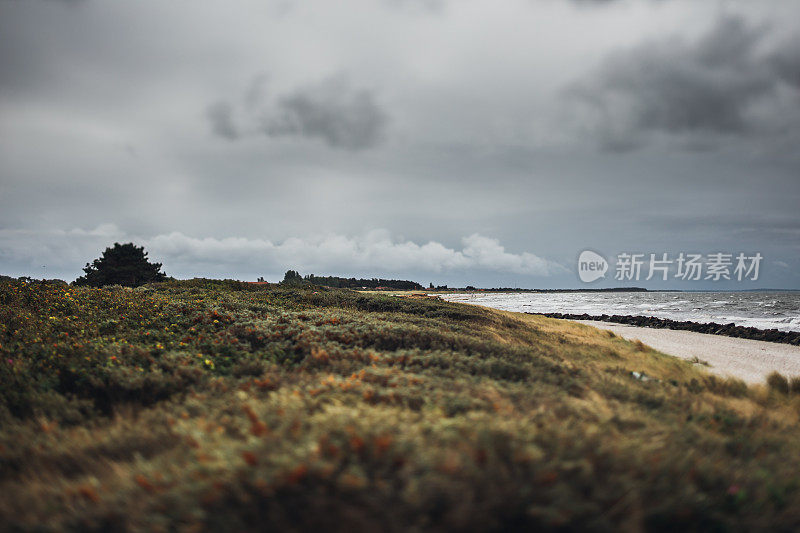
(730, 330)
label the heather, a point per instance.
(207, 405)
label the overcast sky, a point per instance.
(458, 142)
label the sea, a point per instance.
(760, 309)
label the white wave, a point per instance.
(743, 309)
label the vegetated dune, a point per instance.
(219, 405)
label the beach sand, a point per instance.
(747, 359)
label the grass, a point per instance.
(205, 405)
(697, 361)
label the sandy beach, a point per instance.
(749, 360)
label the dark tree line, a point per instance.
(292, 277)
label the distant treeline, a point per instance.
(357, 283)
(293, 277)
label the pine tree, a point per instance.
(292, 277)
(124, 264)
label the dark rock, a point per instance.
(730, 329)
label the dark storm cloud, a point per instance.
(220, 116)
(697, 92)
(786, 62)
(332, 111)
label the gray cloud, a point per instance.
(697, 92)
(593, 2)
(220, 116)
(430, 5)
(601, 2)
(786, 62)
(332, 111)
(256, 92)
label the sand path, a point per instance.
(746, 359)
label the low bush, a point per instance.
(778, 382)
(794, 385)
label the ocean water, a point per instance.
(762, 309)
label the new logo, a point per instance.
(591, 266)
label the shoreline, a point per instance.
(710, 328)
(750, 360)
(746, 359)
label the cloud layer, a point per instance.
(720, 86)
(331, 110)
(434, 119)
(374, 254)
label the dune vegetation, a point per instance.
(216, 405)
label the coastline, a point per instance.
(726, 350)
(747, 359)
(711, 328)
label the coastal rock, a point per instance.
(729, 330)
